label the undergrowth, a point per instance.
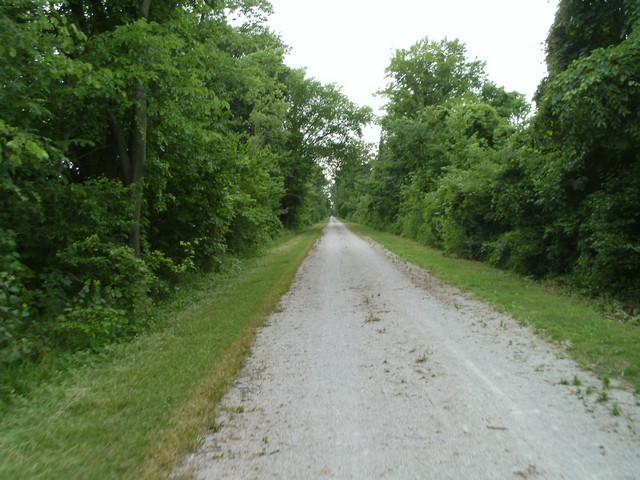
(132, 410)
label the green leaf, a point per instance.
(35, 150)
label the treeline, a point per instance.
(465, 166)
(140, 139)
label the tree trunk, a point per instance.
(133, 158)
(138, 158)
(144, 8)
(138, 153)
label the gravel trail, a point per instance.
(373, 369)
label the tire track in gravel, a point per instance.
(374, 369)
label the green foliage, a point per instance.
(15, 341)
(593, 103)
(139, 143)
(468, 214)
(442, 113)
(107, 289)
(581, 27)
(430, 73)
(460, 168)
(324, 130)
(89, 320)
(510, 105)
(589, 120)
(609, 241)
(260, 186)
(520, 250)
(349, 178)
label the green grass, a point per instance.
(136, 411)
(602, 344)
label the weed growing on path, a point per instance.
(615, 410)
(372, 318)
(425, 356)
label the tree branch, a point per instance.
(146, 4)
(121, 148)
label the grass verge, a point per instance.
(599, 343)
(138, 410)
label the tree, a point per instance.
(462, 167)
(588, 123)
(430, 73)
(323, 130)
(138, 139)
(581, 27)
(428, 82)
(29, 69)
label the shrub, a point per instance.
(520, 250)
(16, 337)
(103, 291)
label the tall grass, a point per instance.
(133, 414)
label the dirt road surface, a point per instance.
(373, 369)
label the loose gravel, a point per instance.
(374, 369)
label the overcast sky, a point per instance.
(350, 42)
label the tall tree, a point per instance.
(99, 99)
(588, 122)
(426, 81)
(324, 128)
(430, 73)
(581, 27)
(127, 47)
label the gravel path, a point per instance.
(373, 369)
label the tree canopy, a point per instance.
(140, 140)
(464, 166)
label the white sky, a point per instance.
(350, 42)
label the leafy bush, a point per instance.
(520, 250)
(91, 318)
(16, 337)
(609, 244)
(167, 272)
(103, 289)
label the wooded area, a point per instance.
(466, 166)
(140, 140)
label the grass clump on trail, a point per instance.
(605, 345)
(136, 411)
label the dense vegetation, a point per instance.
(140, 140)
(143, 139)
(464, 165)
(136, 408)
